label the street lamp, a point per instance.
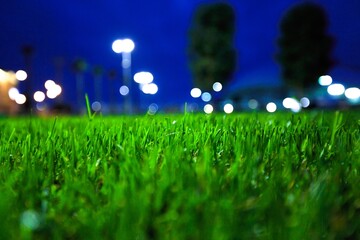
(125, 47)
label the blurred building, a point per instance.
(7, 81)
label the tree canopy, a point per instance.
(211, 52)
(304, 46)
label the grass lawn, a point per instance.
(240, 176)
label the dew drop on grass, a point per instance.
(30, 219)
(98, 162)
(174, 122)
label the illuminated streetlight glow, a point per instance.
(123, 46)
(325, 80)
(206, 97)
(217, 87)
(117, 46)
(21, 75)
(228, 108)
(20, 99)
(292, 104)
(143, 77)
(39, 96)
(49, 84)
(208, 108)
(151, 88)
(13, 92)
(54, 91)
(271, 107)
(352, 93)
(128, 45)
(57, 89)
(336, 89)
(195, 92)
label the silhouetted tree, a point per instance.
(98, 72)
(211, 52)
(304, 46)
(112, 74)
(79, 67)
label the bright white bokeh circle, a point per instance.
(352, 93)
(49, 84)
(336, 89)
(20, 99)
(143, 77)
(13, 92)
(271, 107)
(195, 92)
(217, 87)
(39, 96)
(228, 108)
(21, 75)
(325, 80)
(208, 108)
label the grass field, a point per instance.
(244, 176)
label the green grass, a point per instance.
(247, 176)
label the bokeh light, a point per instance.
(228, 108)
(123, 45)
(289, 102)
(49, 84)
(336, 89)
(96, 106)
(128, 45)
(305, 102)
(325, 80)
(217, 87)
(30, 219)
(117, 46)
(271, 107)
(20, 99)
(143, 77)
(21, 75)
(206, 97)
(208, 108)
(195, 92)
(352, 93)
(13, 92)
(40, 106)
(151, 88)
(153, 108)
(124, 90)
(39, 96)
(253, 104)
(54, 91)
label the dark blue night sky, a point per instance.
(86, 29)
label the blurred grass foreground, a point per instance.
(244, 176)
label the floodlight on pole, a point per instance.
(125, 47)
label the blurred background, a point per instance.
(138, 56)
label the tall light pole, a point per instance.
(125, 47)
